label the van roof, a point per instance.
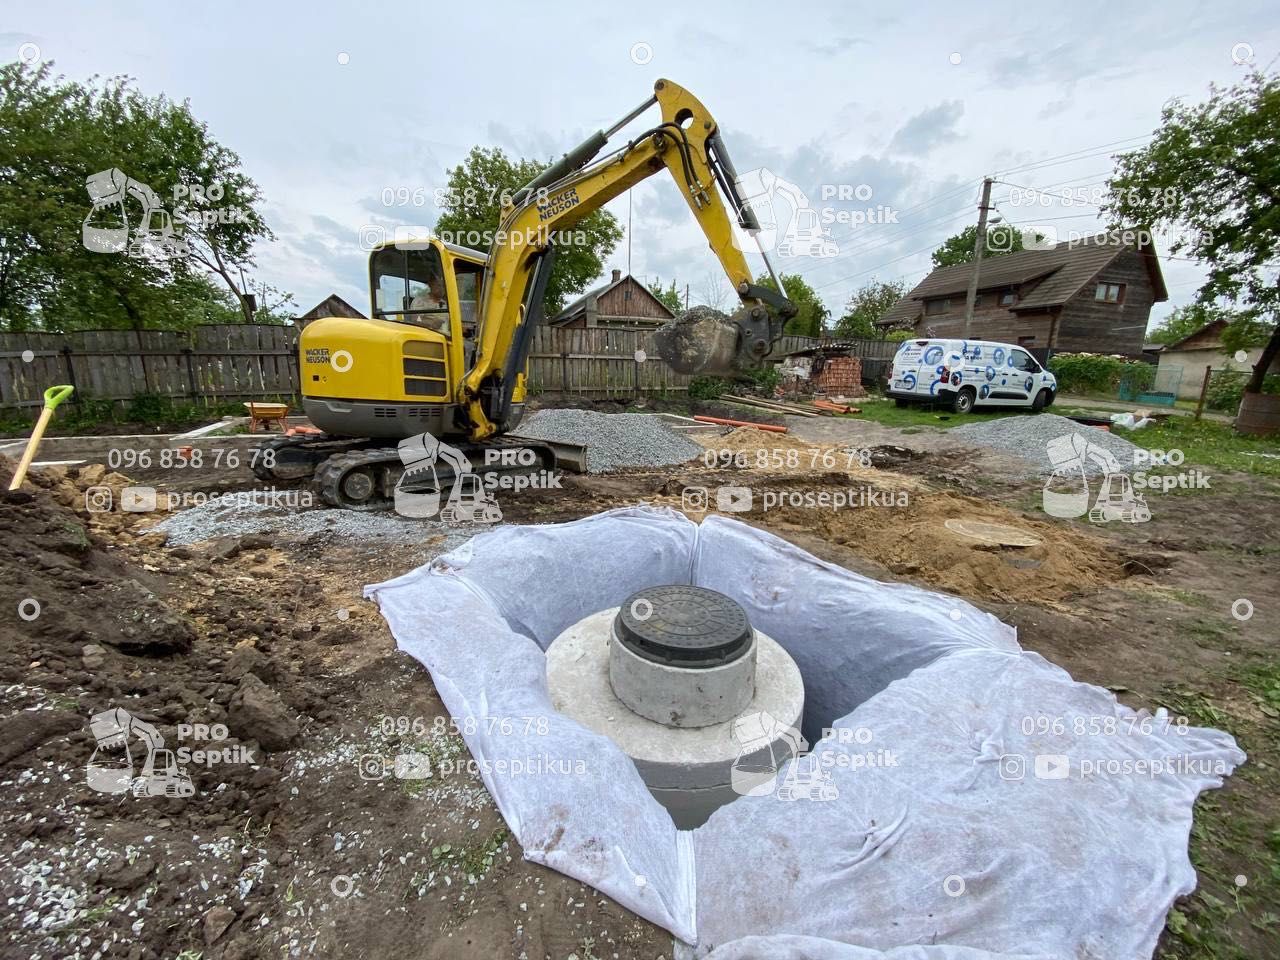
(997, 343)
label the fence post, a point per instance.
(564, 372)
(71, 372)
(142, 355)
(1204, 391)
(191, 373)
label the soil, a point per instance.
(285, 849)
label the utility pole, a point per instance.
(979, 245)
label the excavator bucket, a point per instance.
(706, 342)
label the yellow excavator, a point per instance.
(446, 348)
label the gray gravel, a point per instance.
(236, 518)
(614, 441)
(1026, 436)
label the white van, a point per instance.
(969, 373)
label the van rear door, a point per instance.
(906, 367)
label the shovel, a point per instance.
(52, 397)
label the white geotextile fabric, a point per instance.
(934, 848)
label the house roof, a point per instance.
(1062, 270)
(579, 305)
(1215, 326)
(337, 307)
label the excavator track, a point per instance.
(285, 459)
(363, 474)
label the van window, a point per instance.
(1024, 361)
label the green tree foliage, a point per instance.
(669, 296)
(956, 249)
(1211, 173)
(811, 313)
(473, 204)
(53, 134)
(1185, 321)
(868, 304)
(897, 336)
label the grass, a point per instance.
(1210, 444)
(86, 414)
(1234, 836)
(891, 415)
(1204, 443)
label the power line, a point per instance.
(868, 245)
(1081, 154)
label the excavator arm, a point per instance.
(687, 143)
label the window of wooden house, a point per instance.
(1007, 297)
(934, 308)
(1026, 341)
(1109, 293)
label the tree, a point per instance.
(472, 205)
(54, 134)
(897, 336)
(1211, 173)
(713, 290)
(811, 314)
(868, 304)
(956, 249)
(669, 296)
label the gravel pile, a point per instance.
(224, 519)
(1026, 437)
(614, 441)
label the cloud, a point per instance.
(928, 128)
(836, 45)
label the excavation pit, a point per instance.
(920, 775)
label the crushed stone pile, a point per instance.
(1027, 437)
(614, 441)
(228, 519)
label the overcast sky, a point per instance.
(335, 107)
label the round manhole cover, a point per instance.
(683, 626)
(998, 534)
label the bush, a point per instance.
(897, 336)
(1095, 373)
(763, 382)
(1226, 389)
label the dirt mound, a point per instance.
(913, 541)
(69, 594)
(98, 627)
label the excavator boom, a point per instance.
(686, 142)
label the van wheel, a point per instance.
(899, 402)
(963, 401)
(1040, 402)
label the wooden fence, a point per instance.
(226, 362)
(210, 364)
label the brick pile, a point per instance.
(841, 376)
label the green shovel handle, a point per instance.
(55, 395)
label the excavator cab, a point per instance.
(396, 374)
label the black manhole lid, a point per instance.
(683, 626)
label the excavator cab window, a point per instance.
(468, 277)
(408, 287)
